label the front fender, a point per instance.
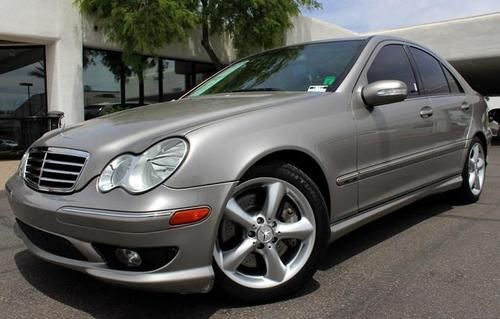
(223, 151)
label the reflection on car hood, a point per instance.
(136, 129)
(154, 122)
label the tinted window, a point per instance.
(433, 78)
(392, 63)
(454, 85)
(295, 68)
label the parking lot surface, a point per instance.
(431, 259)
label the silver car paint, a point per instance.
(383, 167)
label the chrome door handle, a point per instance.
(465, 106)
(426, 112)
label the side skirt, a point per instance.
(344, 227)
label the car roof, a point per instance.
(374, 38)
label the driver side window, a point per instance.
(392, 63)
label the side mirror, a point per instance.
(384, 92)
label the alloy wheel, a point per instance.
(476, 168)
(266, 235)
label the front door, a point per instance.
(393, 139)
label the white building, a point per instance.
(53, 59)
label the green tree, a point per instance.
(253, 25)
(141, 27)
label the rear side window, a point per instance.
(433, 78)
(454, 85)
(392, 63)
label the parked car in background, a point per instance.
(244, 181)
(8, 144)
(494, 114)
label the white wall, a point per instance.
(309, 29)
(466, 38)
(56, 24)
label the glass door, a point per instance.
(22, 97)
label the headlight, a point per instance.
(22, 165)
(139, 173)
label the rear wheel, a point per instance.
(473, 174)
(273, 233)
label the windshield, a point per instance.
(314, 67)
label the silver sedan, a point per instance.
(244, 181)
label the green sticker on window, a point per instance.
(329, 80)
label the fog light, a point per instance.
(128, 257)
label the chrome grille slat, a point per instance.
(63, 163)
(54, 169)
(48, 170)
(56, 180)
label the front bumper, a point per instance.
(87, 218)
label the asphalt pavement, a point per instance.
(433, 259)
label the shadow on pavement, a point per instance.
(102, 300)
(385, 228)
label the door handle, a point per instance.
(465, 106)
(426, 112)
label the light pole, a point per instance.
(28, 85)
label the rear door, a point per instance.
(451, 110)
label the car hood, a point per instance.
(136, 129)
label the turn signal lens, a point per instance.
(189, 216)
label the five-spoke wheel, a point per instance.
(477, 168)
(269, 230)
(473, 174)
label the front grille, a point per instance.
(51, 243)
(54, 169)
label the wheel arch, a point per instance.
(483, 139)
(301, 160)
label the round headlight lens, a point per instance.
(139, 173)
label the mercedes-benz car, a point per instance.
(244, 181)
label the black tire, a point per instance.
(464, 194)
(306, 185)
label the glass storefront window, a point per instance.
(22, 81)
(141, 91)
(174, 78)
(203, 71)
(110, 86)
(102, 90)
(22, 97)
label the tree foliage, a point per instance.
(143, 26)
(254, 25)
(140, 27)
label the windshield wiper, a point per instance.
(258, 90)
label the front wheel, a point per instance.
(273, 233)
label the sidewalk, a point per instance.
(7, 169)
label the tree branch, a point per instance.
(205, 39)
